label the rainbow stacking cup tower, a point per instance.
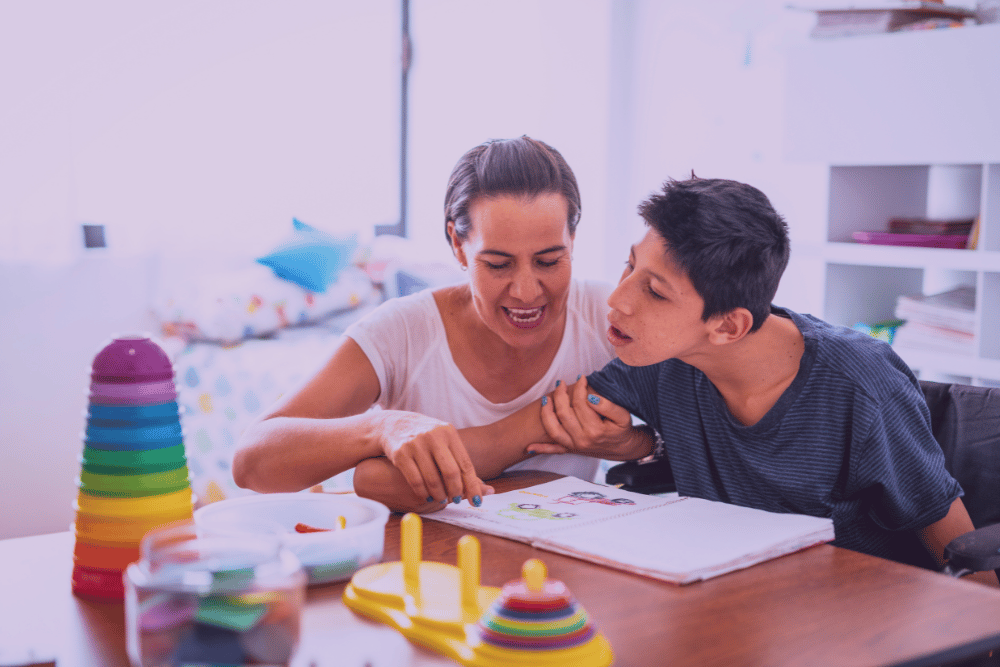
(134, 474)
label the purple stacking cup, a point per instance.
(132, 370)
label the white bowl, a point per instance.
(327, 556)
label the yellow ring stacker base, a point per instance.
(438, 606)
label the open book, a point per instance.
(675, 539)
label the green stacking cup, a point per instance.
(134, 459)
(133, 486)
(147, 469)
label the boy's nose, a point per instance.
(619, 299)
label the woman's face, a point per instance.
(518, 253)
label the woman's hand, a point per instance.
(431, 456)
(582, 422)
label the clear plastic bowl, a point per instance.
(328, 556)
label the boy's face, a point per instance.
(655, 310)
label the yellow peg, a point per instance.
(411, 539)
(341, 522)
(534, 573)
(468, 565)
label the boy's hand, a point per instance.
(431, 456)
(582, 422)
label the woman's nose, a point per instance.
(526, 287)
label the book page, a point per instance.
(690, 539)
(530, 513)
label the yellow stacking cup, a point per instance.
(128, 508)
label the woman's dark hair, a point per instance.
(522, 166)
(727, 238)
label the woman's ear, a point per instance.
(456, 245)
(731, 327)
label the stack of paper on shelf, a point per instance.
(942, 322)
(676, 539)
(866, 17)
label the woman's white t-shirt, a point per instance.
(405, 340)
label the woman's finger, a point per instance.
(411, 472)
(602, 407)
(427, 464)
(551, 424)
(472, 485)
(546, 448)
(567, 416)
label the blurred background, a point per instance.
(191, 134)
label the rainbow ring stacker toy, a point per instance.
(530, 621)
(134, 474)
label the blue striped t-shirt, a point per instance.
(849, 439)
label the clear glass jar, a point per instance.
(203, 597)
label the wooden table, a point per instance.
(821, 606)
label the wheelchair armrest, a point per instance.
(652, 476)
(976, 551)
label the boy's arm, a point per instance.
(936, 537)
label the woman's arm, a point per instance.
(325, 428)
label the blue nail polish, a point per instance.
(545, 401)
(558, 382)
(579, 376)
(444, 502)
(477, 501)
(430, 499)
(456, 499)
(594, 400)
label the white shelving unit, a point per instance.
(909, 126)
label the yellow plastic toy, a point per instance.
(531, 621)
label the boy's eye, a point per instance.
(655, 295)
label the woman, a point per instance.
(454, 358)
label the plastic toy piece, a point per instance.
(531, 621)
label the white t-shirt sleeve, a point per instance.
(394, 337)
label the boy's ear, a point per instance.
(731, 327)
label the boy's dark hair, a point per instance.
(727, 237)
(522, 166)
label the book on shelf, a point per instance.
(867, 18)
(944, 322)
(674, 538)
(954, 309)
(961, 226)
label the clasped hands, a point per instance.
(431, 456)
(581, 422)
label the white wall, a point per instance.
(204, 127)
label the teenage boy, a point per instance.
(758, 405)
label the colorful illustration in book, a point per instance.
(578, 497)
(531, 512)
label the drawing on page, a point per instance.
(577, 497)
(532, 512)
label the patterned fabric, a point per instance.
(850, 439)
(222, 390)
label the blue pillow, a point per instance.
(310, 258)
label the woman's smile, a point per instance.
(525, 318)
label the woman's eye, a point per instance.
(548, 264)
(497, 267)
